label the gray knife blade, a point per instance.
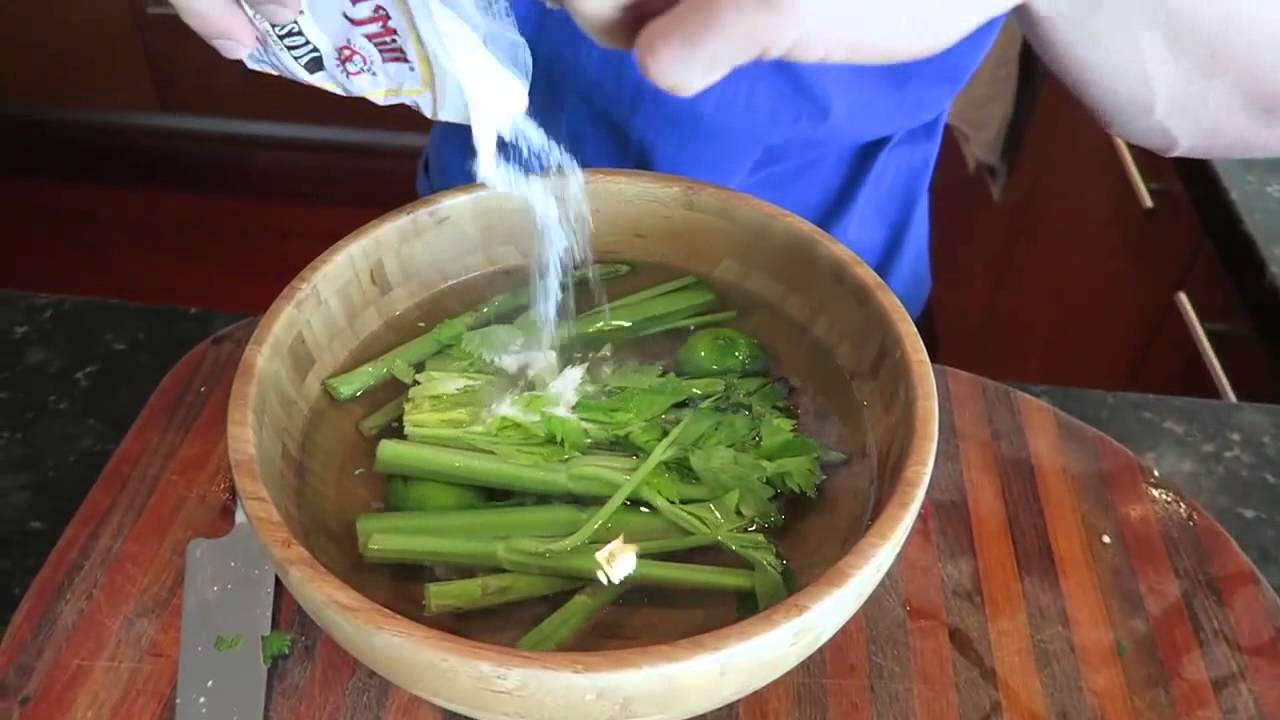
(227, 592)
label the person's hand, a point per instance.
(224, 24)
(685, 46)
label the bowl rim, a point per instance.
(900, 506)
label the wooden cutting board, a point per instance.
(1047, 576)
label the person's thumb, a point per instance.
(696, 43)
(221, 23)
(224, 24)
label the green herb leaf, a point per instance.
(455, 359)
(799, 474)
(747, 386)
(566, 430)
(733, 430)
(526, 324)
(648, 403)
(450, 331)
(726, 469)
(720, 514)
(455, 411)
(701, 421)
(275, 645)
(437, 383)
(645, 436)
(634, 375)
(493, 341)
(669, 482)
(626, 406)
(830, 456)
(779, 439)
(771, 396)
(225, 643)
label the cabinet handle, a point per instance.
(1204, 347)
(1140, 186)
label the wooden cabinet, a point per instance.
(1205, 346)
(1082, 272)
(125, 93)
(74, 53)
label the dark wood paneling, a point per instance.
(318, 164)
(224, 252)
(73, 53)
(188, 211)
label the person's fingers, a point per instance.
(222, 24)
(277, 12)
(614, 23)
(696, 43)
(604, 21)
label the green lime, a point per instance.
(413, 494)
(719, 352)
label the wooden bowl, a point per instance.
(335, 312)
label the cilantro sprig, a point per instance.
(275, 645)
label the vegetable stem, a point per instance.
(357, 381)
(633, 318)
(676, 544)
(561, 626)
(770, 588)
(656, 290)
(418, 495)
(403, 548)
(475, 593)
(467, 467)
(361, 379)
(553, 520)
(377, 421)
(688, 323)
(620, 496)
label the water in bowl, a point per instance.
(340, 485)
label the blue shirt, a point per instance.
(850, 148)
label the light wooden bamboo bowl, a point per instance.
(734, 242)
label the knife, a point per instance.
(227, 593)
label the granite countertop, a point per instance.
(79, 371)
(76, 375)
(1238, 202)
(1253, 189)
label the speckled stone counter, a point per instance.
(1253, 189)
(1238, 202)
(77, 372)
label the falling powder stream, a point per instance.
(515, 155)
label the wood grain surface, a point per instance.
(1049, 575)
